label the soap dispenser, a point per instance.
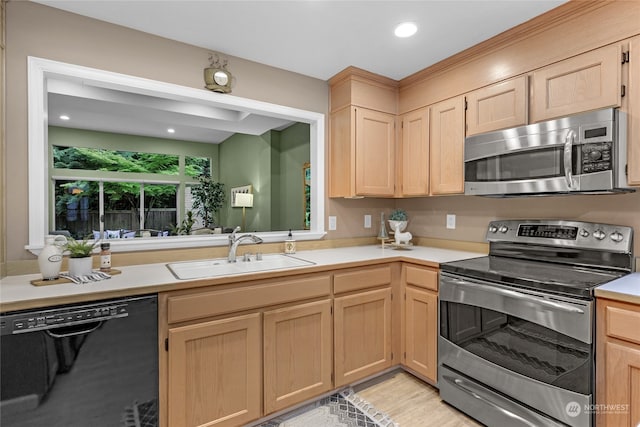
(290, 244)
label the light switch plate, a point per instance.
(451, 221)
(332, 223)
(367, 221)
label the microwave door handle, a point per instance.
(521, 296)
(568, 156)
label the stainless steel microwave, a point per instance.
(584, 153)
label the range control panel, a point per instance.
(578, 234)
(15, 323)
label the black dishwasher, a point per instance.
(91, 364)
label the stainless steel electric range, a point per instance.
(517, 327)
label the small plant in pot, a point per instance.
(80, 260)
(398, 217)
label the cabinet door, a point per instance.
(421, 320)
(297, 354)
(622, 384)
(215, 372)
(585, 82)
(447, 146)
(341, 153)
(499, 106)
(633, 110)
(375, 148)
(415, 153)
(362, 334)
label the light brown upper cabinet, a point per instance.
(499, 106)
(447, 146)
(414, 154)
(633, 111)
(362, 134)
(585, 82)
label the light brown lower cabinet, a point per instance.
(421, 340)
(618, 364)
(420, 327)
(362, 335)
(297, 354)
(215, 372)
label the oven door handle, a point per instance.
(520, 296)
(467, 387)
(568, 157)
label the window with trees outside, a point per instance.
(116, 193)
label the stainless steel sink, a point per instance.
(221, 267)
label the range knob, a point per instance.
(599, 234)
(503, 229)
(584, 233)
(616, 236)
(493, 228)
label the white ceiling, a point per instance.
(318, 38)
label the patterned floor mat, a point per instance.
(343, 409)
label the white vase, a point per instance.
(50, 258)
(80, 266)
(393, 223)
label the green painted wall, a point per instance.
(246, 160)
(293, 154)
(272, 163)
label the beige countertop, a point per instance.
(17, 293)
(626, 289)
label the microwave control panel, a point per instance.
(596, 157)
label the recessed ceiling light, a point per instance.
(171, 130)
(406, 29)
(64, 117)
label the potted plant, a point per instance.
(80, 260)
(208, 198)
(398, 217)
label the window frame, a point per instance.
(180, 180)
(39, 70)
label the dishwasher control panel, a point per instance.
(19, 322)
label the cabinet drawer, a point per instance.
(212, 303)
(421, 277)
(361, 279)
(623, 323)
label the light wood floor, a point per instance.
(411, 403)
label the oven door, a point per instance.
(536, 349)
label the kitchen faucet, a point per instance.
(235, 241)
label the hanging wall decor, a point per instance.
(216, 76)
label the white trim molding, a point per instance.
(41, 70)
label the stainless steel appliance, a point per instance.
(81, 365)
(585, 153)
(516, 343)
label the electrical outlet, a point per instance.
(451, 221)
(367, 221)
(332, 223)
